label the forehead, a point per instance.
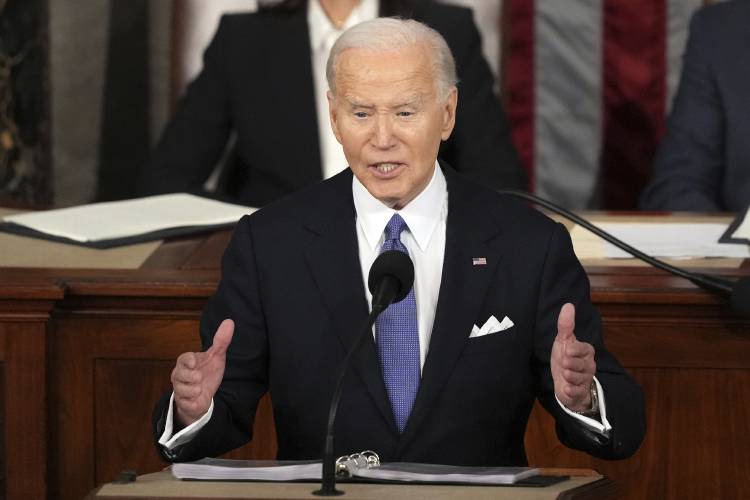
(364, 71)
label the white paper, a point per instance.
(120, 219)
(269, 470)
(247, 470)
(429, 473)
(673, 240)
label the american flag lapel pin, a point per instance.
(478, 261)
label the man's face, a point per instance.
(388, 117)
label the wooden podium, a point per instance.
(85, 353)
(582, 485)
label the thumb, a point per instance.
(222, 337)
(566, 323)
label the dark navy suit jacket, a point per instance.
(703, 163)
(292, 282)
(257, 82)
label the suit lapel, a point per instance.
(333, 258)
(470, 233)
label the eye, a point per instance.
(405, 114)
(360, 114)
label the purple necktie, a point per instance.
(398, 339)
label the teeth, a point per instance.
(386, 167)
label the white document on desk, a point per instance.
(118, 219)
(673, 240)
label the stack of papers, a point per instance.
(672, 240)
(104, 225)
(266, 470)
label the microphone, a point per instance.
(390, 279)
(736, 292)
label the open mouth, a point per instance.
(386, 169)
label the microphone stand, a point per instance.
(328, 482)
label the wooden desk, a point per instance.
(582, 484)
(86, 353)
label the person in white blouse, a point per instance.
(291, 298)
(260, 103)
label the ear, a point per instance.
(449, 113)
(333, 115)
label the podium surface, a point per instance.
(583, 484)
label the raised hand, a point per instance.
(572, 363)
(197, 375)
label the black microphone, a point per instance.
(390, 279)
(736, 292)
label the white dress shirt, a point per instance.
(323, 34)
(424, 238)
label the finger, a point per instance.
(566, 323)
(187, 360)
(186, 391)
(577, 378)
(574, 364)
(576, 349)
(184, 376)
(222, 338)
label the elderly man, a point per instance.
(499, 313)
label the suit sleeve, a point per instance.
(246, 373)
(564, 280)
(481, 145)
(195, 138)
(690, 162)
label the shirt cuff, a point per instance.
(169, 441)
(602, 427)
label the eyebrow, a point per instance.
(412, 100)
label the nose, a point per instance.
(383, 137)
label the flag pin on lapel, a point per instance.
(478, 261)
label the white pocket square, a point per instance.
(492, 325)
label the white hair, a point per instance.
(387, 34)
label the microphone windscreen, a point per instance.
(740, 298)
(395, 264)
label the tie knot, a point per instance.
(394, 227)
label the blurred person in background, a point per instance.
(263, 79)
(703, 162)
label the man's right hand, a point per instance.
(197, 375)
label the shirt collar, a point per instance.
(321, 28)
(421, 215)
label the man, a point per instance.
(263, 81)
(499, 313)
(703, 162)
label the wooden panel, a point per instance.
(125, 392)
(695, 447)
(124, 364)
(124, 395)
(24, 408)
(3, 448)
(77, 344)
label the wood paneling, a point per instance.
(696, 444)
(24, 402)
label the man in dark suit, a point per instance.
(703, 163)
(257, 81)
(499, 313)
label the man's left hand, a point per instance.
(572, 363)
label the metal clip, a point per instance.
(347, 465)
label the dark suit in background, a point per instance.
(292, 282)
(703, 163)
(257, 81)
